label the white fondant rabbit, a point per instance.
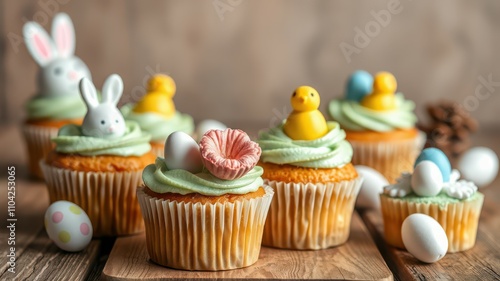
(103, 119)
(60, 70)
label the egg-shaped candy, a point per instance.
(373, 185)
(360, 84)
(437, 157)
(424, 238)
(208, 124)
(182, 152)
(68, 226)
(426, 179)
(479, 165)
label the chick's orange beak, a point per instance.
(302, 99)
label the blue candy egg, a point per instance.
(437, 157)
(359, 85)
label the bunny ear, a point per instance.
(63, 34)
(89, 93)
(112, 89)
(39, 43)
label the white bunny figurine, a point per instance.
(103, 120)
(60, 71)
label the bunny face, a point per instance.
(60, 70)
(103, 120)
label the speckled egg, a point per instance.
(359, 85)
(427, 179)
(424, 238)
(373, 185)
(182, 152)
(437, 157)
(479, 165)
(68, 226)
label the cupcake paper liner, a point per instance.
(389, 158)
(38, 143)
(459, 220)
(109, 199)
(158, 148)
(310, 216)
(212, 237)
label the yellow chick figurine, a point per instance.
(382, 98)
(158, 99)
(305, 122)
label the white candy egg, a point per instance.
(182, 152)
(208, 124)
(68, 226)
(479, 165)
(427, 179)
(424, 238)
(373, 184)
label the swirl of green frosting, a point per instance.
(353, 116)
(58, 107)
(157, 125)
(133, 143)
(160, 179)
(329, 151)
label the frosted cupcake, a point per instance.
(156, 113)
(98, 165)
(379, 124)
(57, 102)
(433, 189)
(306, 161)
(205, 205)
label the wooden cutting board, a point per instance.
(358, 259)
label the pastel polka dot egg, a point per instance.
(68, 226)
(437, 157)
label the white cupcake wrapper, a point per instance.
(459, 220)
(193, 236)
(109, 199)
(310, 216)
(39, 144)
(390, 158)
(158, 151)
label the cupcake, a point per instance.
(204, 206)
(306, 161)
(156, 113)
(57, 102)
(433, 189)
(379, 123)
(98, 165)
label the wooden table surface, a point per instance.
(364, 257)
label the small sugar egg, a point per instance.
(479, 165)
(182, 152)
(424, 238)
(439, 158)
(426, 179)
(208, 124)
(360, 84)
(68, 226)
(373, 184)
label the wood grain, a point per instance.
(358, 259)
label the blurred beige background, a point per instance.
(238, 61)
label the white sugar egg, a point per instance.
(182, 152)
(68, 226)
(424, 238)
(373, 184)
(479, 165)
(207, 125)
(427, 179)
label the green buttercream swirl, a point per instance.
(157, 125)
(329, 151)
(162, 180)
(353, 116)
(134, 143)
(441, 199)
(58, 107)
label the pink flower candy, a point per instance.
(228, 154)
